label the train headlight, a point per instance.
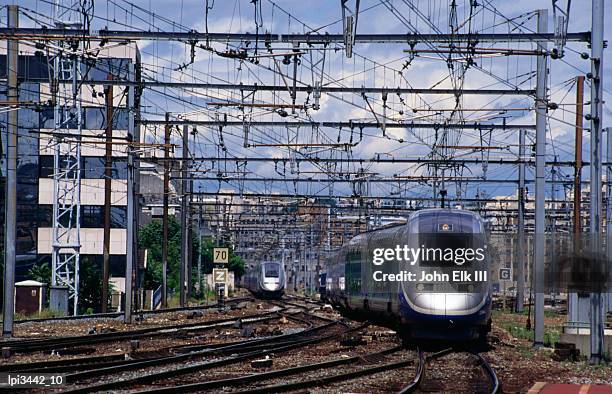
(420, 287)
(470, 288)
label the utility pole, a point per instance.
(108, 173)
(184, 220)
(283, 256)
(553, 229)
(132, 245)
(608, 199)
(200, 287)
(165, 213)
(597, 45)
(578, 304)
(578, 156)
(303, 264)
(190, 225)
(10, 208)
(539, 245)
(520, 258)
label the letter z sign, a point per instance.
(220, 275)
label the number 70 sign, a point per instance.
(220, 255)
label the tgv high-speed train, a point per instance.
(433, 243)
(265, 279)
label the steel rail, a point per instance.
(416, 381)
(51, 365)
(315, 382)
(418, 376)
(117, 314)
(414, 384)
(79, 364)
(490, 373)
(62, 342)
(258, 377)
(155, 376)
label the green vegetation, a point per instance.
(547, 313)
(90, 278)
(41, 273)
(518, 330)
(90, 291)
(150, 237)
(44, 314)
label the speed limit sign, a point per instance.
(220, 255)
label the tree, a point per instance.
(150, 237)
(90, 289)
(90, 278)
(41, 272)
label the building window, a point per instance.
(45, 166)
(92, 216)
(68, 119)
(93, 168)
(118, 217)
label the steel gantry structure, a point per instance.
(65, 260)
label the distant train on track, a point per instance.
(459, 310)
(265, 279)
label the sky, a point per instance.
(371, 65)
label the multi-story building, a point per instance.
(36, 147)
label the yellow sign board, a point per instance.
(219, 275)
(220, 255)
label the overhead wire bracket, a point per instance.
(561, 21)
(349, 25)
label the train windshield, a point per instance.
(451, 262)
(271, 270)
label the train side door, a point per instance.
(353, 273)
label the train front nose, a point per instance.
(271, 284)
(448, 304)
(272, 278)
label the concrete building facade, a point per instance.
(36, 149)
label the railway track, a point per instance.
(144, 313)
(422, 361)
(415, 383)
(161, 370)
(124, 359)
(223, 355)
(57, 343)
(71, 342)
(286, 372)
